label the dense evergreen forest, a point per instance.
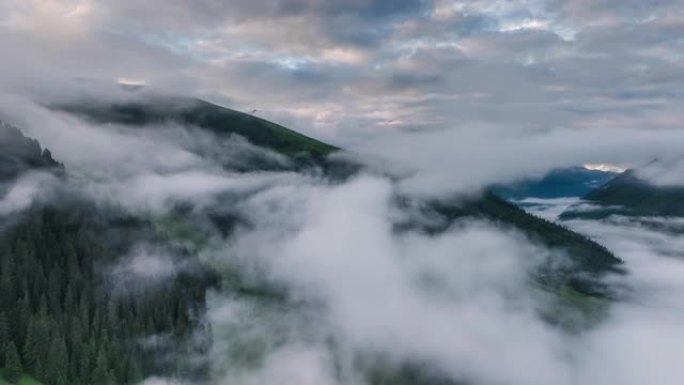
(630, 195)
(61, 319)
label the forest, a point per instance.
(61, 320)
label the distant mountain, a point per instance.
(559, 183)
(629, 195)
(200, 113)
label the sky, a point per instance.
(347, 71)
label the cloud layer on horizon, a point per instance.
(349, 70)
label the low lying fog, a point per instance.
(459, 304)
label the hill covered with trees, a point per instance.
(195, 112)
(66, 317)
(60, 318)
(629, 195)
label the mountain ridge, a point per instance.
(629, 195)
(218, 119)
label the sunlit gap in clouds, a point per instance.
(604, 167)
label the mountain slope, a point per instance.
(200, 113)
(589, 256)
(629, 195)
(61, 309)
(587, 259)
(19, 154)
(66, 243)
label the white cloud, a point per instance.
(22, 193)
(667, 171)
(465, 159)
(458, 302)
(455, 301)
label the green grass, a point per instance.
(570, 309)
(25, 380)
(180, 232)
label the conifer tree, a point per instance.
(41, 336)
(57, 366)
(4, 336)
(13, 367)
(28, 352)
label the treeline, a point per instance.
(587, 255)
(587, 259)
(60, 320)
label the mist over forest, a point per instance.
(415, 192)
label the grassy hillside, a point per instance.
(629, 195)
(24, 380)
(220, 120)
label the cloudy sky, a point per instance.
(344, 70)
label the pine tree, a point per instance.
(4, 335)
(65, 325)
(38, 370)
(7, 289)
(58, 361)
(28, 352)
(101, 372)
(41, 336)
(85, 366)
(110, 379)
(21, 318)
(13, 368)
(134, 372)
